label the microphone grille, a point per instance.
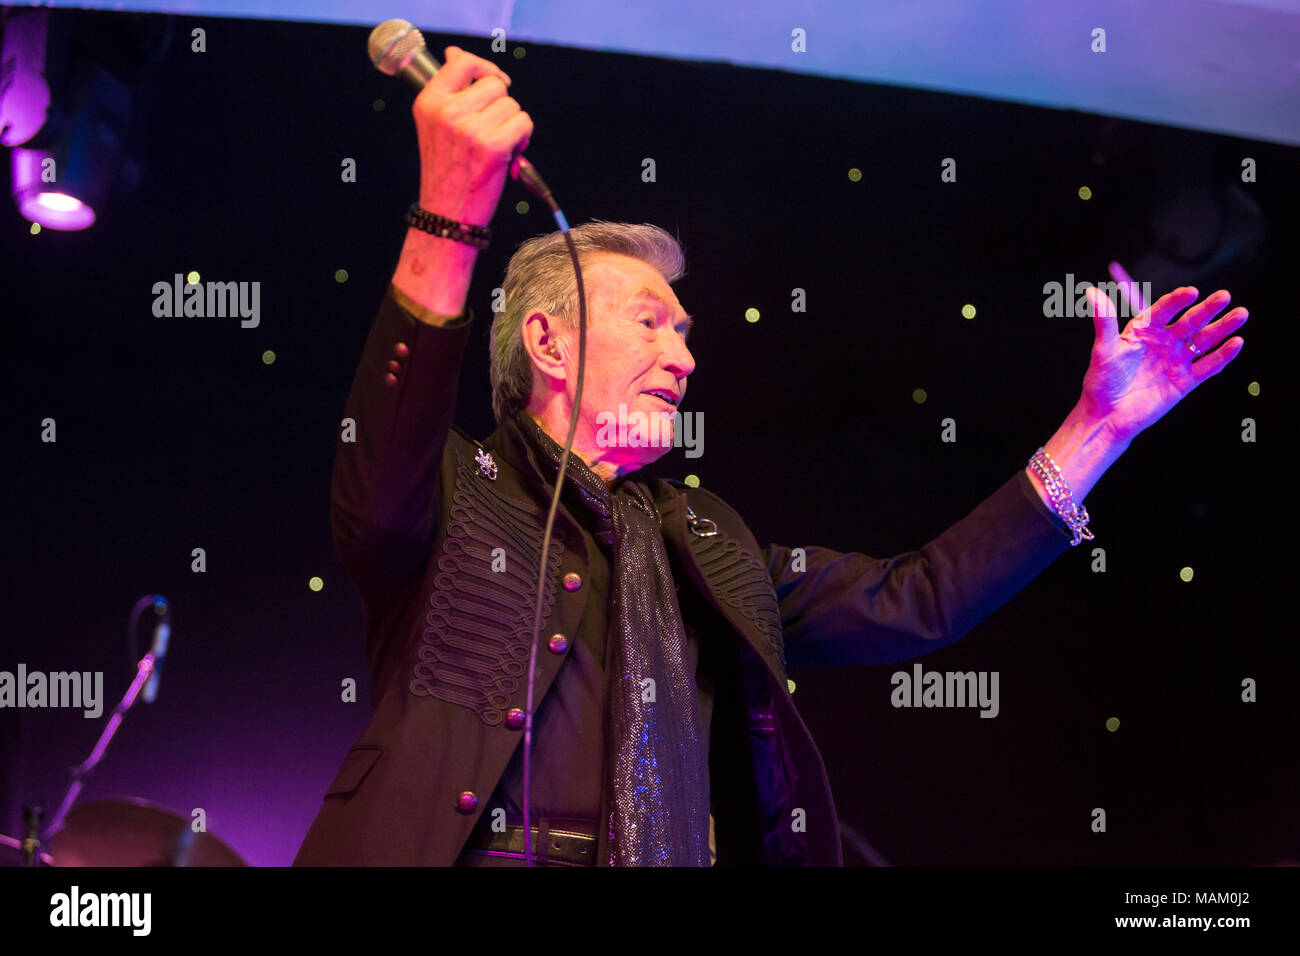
(392, 45)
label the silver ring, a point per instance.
(1195, 350)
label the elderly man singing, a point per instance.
(665, 732)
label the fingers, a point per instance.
(1103, 316)
(475, 98)
(1215, 333)
(474, 91)
(1214, 363)
(1195, 318)
(492, 113)
(1100, 300)
(511, 138)
(502, 126)
(463, 68)
(1129, 290)
(1192, 327)
(1166, 307)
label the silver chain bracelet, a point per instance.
(1058, 490)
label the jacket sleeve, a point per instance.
(384, 496)
(839, 608)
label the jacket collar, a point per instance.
(533, 454)
(518, 442)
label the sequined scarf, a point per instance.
(656, 772)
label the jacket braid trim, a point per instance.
(474, 649)
(741, 580)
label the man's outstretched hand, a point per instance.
(1134, 377)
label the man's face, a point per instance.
(636, 344)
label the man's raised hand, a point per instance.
(471, 132)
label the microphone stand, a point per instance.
(80, 772)
(32, 841)
(144, 670)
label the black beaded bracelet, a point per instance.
(476, 236)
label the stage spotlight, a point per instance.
(74, 161)
(39, 202)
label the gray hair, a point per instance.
(540, 278)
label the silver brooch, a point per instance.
(486, 466)
(704, 527)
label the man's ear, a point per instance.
(542, 341)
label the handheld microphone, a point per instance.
(397, 48)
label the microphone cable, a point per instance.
(550, 521)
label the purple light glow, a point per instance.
(24, 94)
(51, 208)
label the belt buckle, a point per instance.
(556, 841)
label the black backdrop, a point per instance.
(174, 434)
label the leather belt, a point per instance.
(556, 841)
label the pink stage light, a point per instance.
(52, 208)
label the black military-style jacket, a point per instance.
(419, 514)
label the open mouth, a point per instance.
(667, 397)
